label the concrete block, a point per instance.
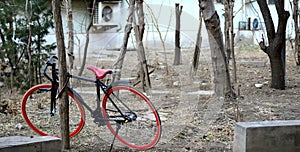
(267, 136)
(24, 144)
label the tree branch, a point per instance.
(282, 17)
(268, 19)
(263, 45)
(279, 6)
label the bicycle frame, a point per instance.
(97, 113)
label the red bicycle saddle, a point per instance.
(100, 73)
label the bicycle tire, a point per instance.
(36, 112)
(142, 133)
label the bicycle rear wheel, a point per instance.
(36, 111)
(144, 131)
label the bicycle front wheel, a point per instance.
(36, 111)
(144, 131)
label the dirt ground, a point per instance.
(208, 125)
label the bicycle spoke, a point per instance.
(142, 128)
(36, 112)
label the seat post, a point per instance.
(98, 92)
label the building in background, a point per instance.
(110, 19)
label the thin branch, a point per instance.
(87, 38)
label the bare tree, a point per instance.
(118, 65)
(222, 80)
(178, 10)
(232, 41)
(196, 56)
(28, 20)
(229, 34)
(135, 10)
(296, 23)
(141, 17)
(143, 72)
(64, 103)
(276, 41)
(68, 4)
(156, 26)
(227, 27)
(92, 5)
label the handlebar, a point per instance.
(52, 57)
(52, 64)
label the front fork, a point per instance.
(56, 93)
(53, 108)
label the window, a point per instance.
(272, 1)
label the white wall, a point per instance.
(163, 12)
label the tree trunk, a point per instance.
(69, 12)
(276, 41)
(118, 65)
(144, 73)
(28, 19)
(232, 41)
(296, 23)
(196, 56)
(229, 34)
(235, 79)
(63, 102)
(141, 17)
(177, 58)
(227, 28)
(222, 81)
(277, 71)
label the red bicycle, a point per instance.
(128, 113)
